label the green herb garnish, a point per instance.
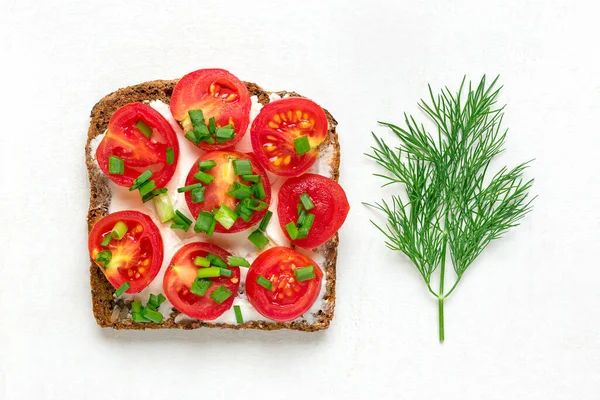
(451, 207)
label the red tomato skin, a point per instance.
(205, 309)
(331, 207)
(260, 131)
(260, 298)
(239, 224)
(192, 93)
(151, 232)
(121, 128)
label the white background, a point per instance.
(523, 323)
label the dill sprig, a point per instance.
(451, 205)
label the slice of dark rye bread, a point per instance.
(103, 301)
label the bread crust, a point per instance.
(103, 303)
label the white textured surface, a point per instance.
(522, 325)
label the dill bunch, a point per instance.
(451, 208)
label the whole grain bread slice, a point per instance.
(111, 312)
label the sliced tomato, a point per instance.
(218, 94)
(123, 139)
(276, 127)
(136, 258)
(330, 207)
(216, 194)
(288, 299)
(182, 272)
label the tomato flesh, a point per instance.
(289, 298)
(136, 258)
(216, 194)
(123, 139)
(330, 207)
(276, 127)
(219, 94)
(181, 274)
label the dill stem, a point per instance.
(441, 293)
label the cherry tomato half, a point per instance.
(180, 277)
(278, 125)
(288, 299)
(216, 193)
(217, 93)
(124, 139)
(330, 207)
(136, 257)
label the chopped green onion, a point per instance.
(220, 294)
(153, 302)
(204, 222)
(207, 165)
(204, 177)
(140, 180)
(305, 228)
(104, 257)
(180, 221)
(240, 191)
(216, 260)
(301, 218)
(122, 289)
(302, 145)
(209, 139)
(238, 262)
(212, 125)
(255, 205)
(153, 194)
(300, 208)
(242, 167)
(152, 315)
(197, 117)
(119, 230)
(251, 178)
(226, 272)
(210, 272)
(265, 221)
(191, 136)
(244, 212)
(292, 230)
(183, 217)
(198, 195)
(144, 128)
(304, 274)
(137, 317)
(226, 216)
(136, 306)
(116, 165)
(264, 282)
(238, 314)
(200, 286)
(225, 134)
(107, 239)
(161, 298)
(201, 262)
(164, 207)
(211, 230)
(170, 156)
(306, 201)
(258, 239)
(259, 191)
(202, 133)
(147, 187)
(190, 187)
